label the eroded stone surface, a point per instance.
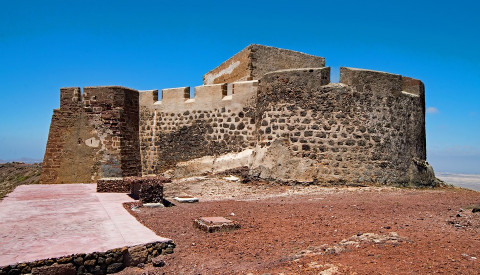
(55, 269)
(147, 189)
(109, 113)
(256, 60)
(113, 185)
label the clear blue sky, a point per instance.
(45, 45)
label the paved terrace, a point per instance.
(45, 221)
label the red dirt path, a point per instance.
(290, 234)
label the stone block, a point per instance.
(136, 255)
(215, 224)
(147, 189)
(115, 267)
(55, 269)
(158, 261)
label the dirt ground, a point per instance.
(317, 230)
(13, 174)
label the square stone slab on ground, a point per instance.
(214, 224)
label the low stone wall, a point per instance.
(113, 185)
(108, 262)
(147, 189)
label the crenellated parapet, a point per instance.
(206, 97)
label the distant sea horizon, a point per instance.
(469, 181)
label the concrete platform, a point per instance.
(45, 221)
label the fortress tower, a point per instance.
(93, 135)
(271, 110)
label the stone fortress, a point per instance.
(268, 109)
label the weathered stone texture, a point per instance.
(213, 123)
(55, 269)
(366, 131)
(108, 262)
(147, 189)
(256, 60)
(113, 185)
(93, 135)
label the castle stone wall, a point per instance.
(179, 128)
(270, 109)
(364, 129)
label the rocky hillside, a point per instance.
(13, 174)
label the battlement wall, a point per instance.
(219, 119)
(206, 97)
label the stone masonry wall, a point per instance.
(93, 135)
(219, 120)
(129, 135)
(255, 60)
(268, 59)
(371, 130)
(65, 152)
(108, 262)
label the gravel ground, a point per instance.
(312, 229)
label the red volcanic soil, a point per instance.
(310, 229)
